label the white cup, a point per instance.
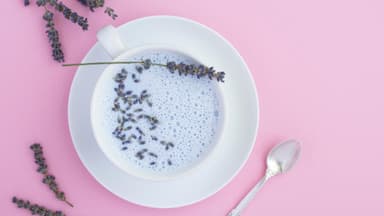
(111, 41)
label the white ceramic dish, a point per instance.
(238, 135)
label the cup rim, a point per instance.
(135, 171)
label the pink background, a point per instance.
(319, 69)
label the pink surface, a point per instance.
(318, 66)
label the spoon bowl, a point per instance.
(283, 156)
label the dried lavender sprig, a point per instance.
(48, 178)
(52, 184)
(53, 37)
(110, 13)
(39, 158)
(66, 11)
(183, 69)
(34, 208)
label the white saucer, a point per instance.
(241, 115)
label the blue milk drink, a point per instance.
(188, 111)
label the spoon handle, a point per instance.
(248, 198)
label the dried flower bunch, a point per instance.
(35, 209)
(66, 11)
(131, 109)
(69, 14)
(48, 178)
(183, 69)
(194, 70)
(53, 37)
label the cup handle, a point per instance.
(110, 39)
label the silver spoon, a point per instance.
(280, 159)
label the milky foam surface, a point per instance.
(188, 110)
